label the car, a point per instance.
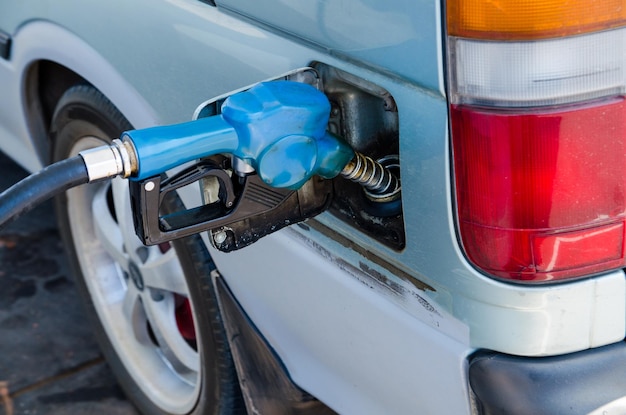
(489, 281)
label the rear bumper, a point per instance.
(576, 383)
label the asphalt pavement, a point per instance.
(49, 360)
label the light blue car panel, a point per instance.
(351, 341)
(400, 37)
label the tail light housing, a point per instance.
(538, 126)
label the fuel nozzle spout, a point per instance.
(379, 182)
(276, 135)
(278, 128)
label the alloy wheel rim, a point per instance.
(137, 292)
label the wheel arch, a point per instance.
(53, 59)
(44, 83)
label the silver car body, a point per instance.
(364, 328)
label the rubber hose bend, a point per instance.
(40, 186)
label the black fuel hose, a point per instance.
(38, 187)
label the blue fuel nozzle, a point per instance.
(278, 128)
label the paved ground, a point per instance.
(49, 361)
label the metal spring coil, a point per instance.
(370, 174)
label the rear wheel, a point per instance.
(154, 308)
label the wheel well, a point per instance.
(45, 83)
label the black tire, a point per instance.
(82, 114)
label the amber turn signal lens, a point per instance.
(532, 19)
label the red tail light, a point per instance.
(542, 194)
